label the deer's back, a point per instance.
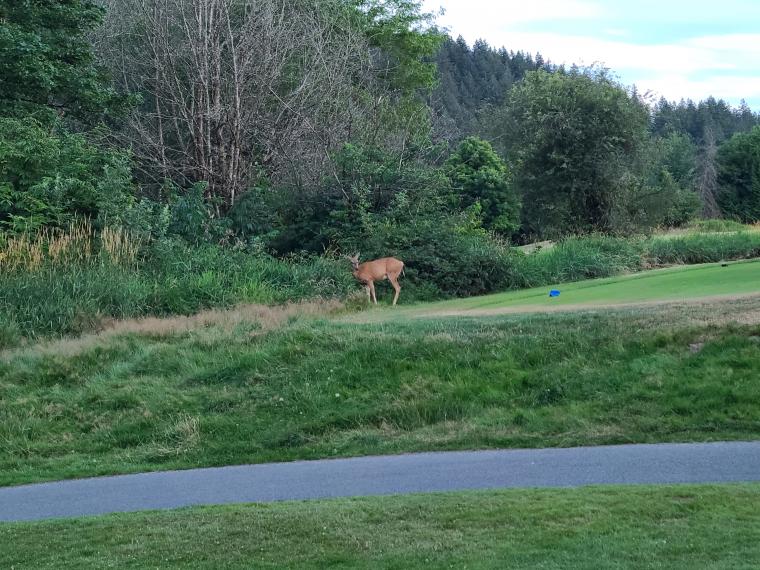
(379, 268)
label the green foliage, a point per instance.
(668, 189)
(471, 79)
(253, 218)
(575, 138)
(47, 64)
(684, 206)
(406, 42)
(478, 175)
(46, 178)
(739, 176)
(403, 210)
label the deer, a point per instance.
(370, 271)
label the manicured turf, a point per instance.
(678, 527)
(672, 284)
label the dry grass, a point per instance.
(223, 322)
(75, 244)
(28, 252)
(120, 246)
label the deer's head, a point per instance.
(354, 259)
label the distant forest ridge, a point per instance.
(474, 78)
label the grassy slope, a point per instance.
(679, 527)
(678, 283)
(321, 389)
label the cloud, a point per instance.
(726, 66)
(619, 55)
(472, 14)
(676, 87)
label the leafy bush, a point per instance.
(479, 175)
(49, 179)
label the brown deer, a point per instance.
(367, 273)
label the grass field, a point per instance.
(672, 284)
(235, 393)
(673, 527)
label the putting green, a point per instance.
(672, 284)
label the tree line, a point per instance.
(282, 126)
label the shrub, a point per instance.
(50, 178)
(578, 258)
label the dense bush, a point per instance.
(739, 176)
(47, 179)
(479, 176)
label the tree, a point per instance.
(47, 65)
(470, 80)
(575, 139)
(739, 176)
(50, 86)
(479, 176)
(665, 195)
(236, 90)
(707, 184)
(46, 178)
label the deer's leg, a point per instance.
(372, 290)
(369, 295)
(396, 287)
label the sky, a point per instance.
(672, 48)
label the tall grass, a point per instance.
(707, 226)
(68, 282)
(702, 248)
(591, 257)
(579, 258)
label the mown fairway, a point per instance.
(673, 284)
(675, 527)
(307, 388)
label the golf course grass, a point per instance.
(670, 527)
(320, 387)
(681, 283)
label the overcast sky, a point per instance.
(676, 48)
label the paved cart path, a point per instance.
(365, 476)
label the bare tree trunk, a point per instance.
(707, 184)
(231, 86)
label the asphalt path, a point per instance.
(387, 475)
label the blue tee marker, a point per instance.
(554, 293)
